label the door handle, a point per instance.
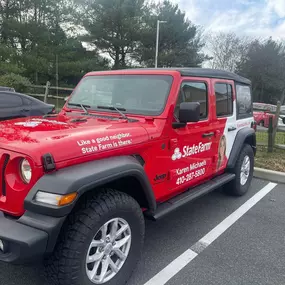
(25, 110)
(231, 129)
(206, 135)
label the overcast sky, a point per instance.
(257, 18)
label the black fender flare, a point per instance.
(245, 135)
(85, 177)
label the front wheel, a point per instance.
(244, 172)
(102, 242)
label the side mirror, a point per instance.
(188, 112)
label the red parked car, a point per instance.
(262, 112)
(262, 118)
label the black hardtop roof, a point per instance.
(213, 73)
(205, 72)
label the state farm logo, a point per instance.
(190, 150)
(177, 154)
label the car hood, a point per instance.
(67, 137)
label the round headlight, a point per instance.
(26, 171)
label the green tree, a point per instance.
(113, 26)
(264, 64)
(8, 61)
(226, 49)
(180, 41)
(33, 33)
(74, 61)
(16, 81)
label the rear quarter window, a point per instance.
(27, 101)
(244, 101)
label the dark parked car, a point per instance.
(17, 105)
(4, 88)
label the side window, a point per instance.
(194, 92)
(224, 99)
(10, 101)
(27, 101)
(244, 101)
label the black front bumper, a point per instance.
(29, 238)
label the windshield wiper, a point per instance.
(119, 110)
(83, 107)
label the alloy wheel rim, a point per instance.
(108, 251)
(245, 170)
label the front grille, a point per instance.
(4, 161)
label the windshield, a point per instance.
(137, 94)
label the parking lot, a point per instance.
(246, 243)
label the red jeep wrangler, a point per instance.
(75, 186)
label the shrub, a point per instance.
(16, 81)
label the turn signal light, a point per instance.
(67, 199)
(55, 199)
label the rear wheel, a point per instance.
(243, 171)
(261, 123)
(101, 244)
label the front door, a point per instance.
(192, 146)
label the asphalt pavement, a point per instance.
(251, 251)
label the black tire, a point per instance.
(67, 264)
(261, 123)
(235, 187)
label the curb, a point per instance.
(266, 174)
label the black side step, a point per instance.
(190, 195)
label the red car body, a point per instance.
(75, 186)
(262, 118)
(73, 142)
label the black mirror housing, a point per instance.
(189, 112)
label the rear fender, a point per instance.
(245, 135)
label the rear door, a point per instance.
(233, 111)
(225, 122)
(11, 106)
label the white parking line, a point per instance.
(185, 258)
